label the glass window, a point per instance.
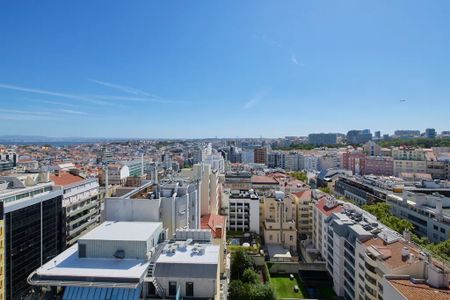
(189, 289)
(172, 288)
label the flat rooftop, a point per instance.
(68, 265)
(209, 255)
(122, 231)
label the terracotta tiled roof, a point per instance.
(419, 291)
(64, 179)
(394, 260)
(328, 211)
(263, 179)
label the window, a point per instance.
(443, 230)
(270, 237)
(189, 289)
(291, 238)
(81, 250)
(172, 288)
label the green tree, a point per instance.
(240, 261)
(299, 176)
(250, 276)
(325, 190)
(239, 290)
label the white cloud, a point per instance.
(294, 60)
(123, 88)
(251, 103)
(72, 112)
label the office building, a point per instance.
(321, 139)
(242, 210)
(406, 134)
(80, 204)
(32, 216)
(430, 133)
(356, 137)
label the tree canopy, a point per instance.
(240, 261)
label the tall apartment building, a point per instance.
(311, 163)
(210, 188)
(294, 161)
(242, 210)
(279, 221)
(320, 139)
(359, 252)
(80, 204)
(260, 155)
(372, 149)
(31, 212)
(276, 159)
(409, 160)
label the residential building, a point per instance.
(329, 160)
(8, 160)
(242, 210)
(276, 159)
(372, 149)
(320, 139)
(409, 160)
(430, 214)
(262, 183)
(311, 163)
(260, 155)
(354, 161)
(379, 165)
(304, 204)
(238, 180)
(279, 222)
(294, 161)
(80, 204)
(31, 213)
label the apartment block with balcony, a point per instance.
(303, 199)
(409, 160)
(81, 204)
(242, 210)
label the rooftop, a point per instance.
(183, 253)
(68, 265)
(324, 206)
(65, 179)
(419, 291)
(263, 179)
(123, 231)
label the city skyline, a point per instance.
(184, 70)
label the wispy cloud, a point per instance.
(251, 103)
(123, 88)
(24, 115)
(72, 112)
(133, 99)
(50, 93)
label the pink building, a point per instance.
(379, 165)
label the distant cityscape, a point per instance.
(350, 216)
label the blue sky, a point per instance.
(222, 68)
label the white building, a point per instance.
(430, 214)
(242, 210)
(311, 163)
(294, 161)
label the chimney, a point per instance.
(405, 253)
(407, 235)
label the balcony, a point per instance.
(82, 208)
(90, 213)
